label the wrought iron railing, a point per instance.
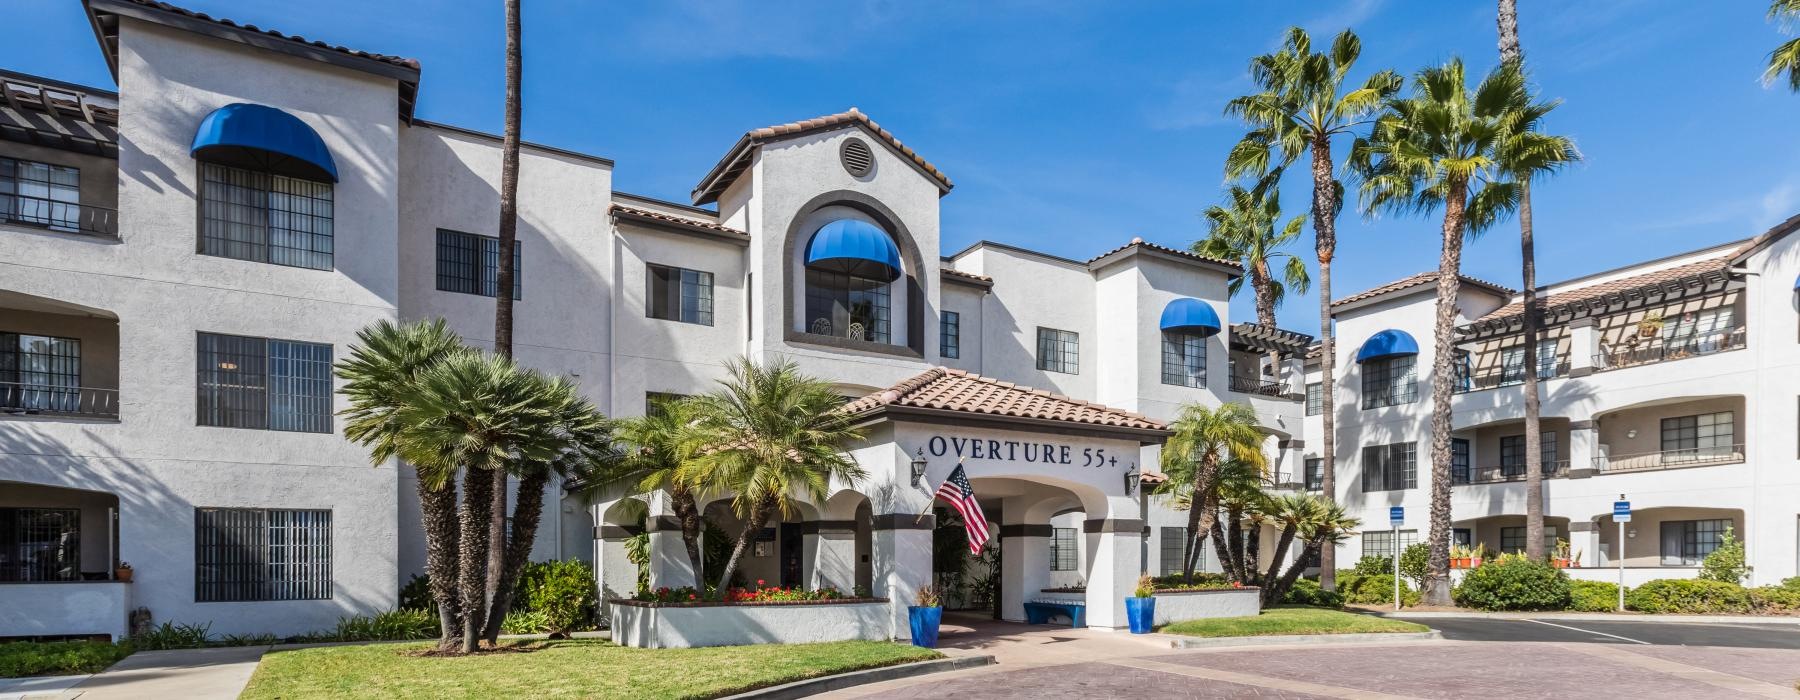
(1671, 459)
(1254, 385)
(1665, 349)
(47, 399)
(1495, 377)
(1502, 473)
(58, 216)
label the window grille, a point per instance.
(470, 264)
(1062, 549)
(264, 384)
(1058, 351)
(40, 372)
(40, 544)
(243, 554)
(263, 217)
(950, 335)
(1389, 382)
(1183, 359)
(1390, 467)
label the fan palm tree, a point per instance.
(1302, 104)
(1324, 525)
(1291, 513)
(769, 434)
(503, 284)
(384, 363)
(1441, 147)
(653, 454)
(1243, 228)
(1785, 59)
(1202, 440)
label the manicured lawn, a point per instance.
(26, 659)
(1291, 620)
(574, 668)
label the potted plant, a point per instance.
(1476, 553)
(1459, 557)
(1651, 325)
(123, 573)
(924, 616)
(1140, 608)
(1560, 559)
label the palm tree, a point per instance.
(1201, 441)
(1243, 229)
(1440, 147)
(1318, 525)
(1300, 108)
(386, 360)
(770, 433)
(1785, 59)
(503, 284)
(1291, 512)
(653, 455)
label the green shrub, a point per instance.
(246, 640)
(1776, 599)
(1415, 563)
(1593, 596)
(1726, 563)
(416, 594)
(1791, 582)
(392, 625)
(1375, 589)
(1307, 592)
(562, 590)
(1202, 579)
(170, 635)
(525, 622)
(1693, 596)
(1372, 565)
(25, 659)
(1514, 584)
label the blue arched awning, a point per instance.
(263, 138)
(1190, 316)
(1797, 283)
(856, 247)
(1388, 343)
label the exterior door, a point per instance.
(793, 547)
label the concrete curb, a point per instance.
(1593, 617)
(824, 684)
(1280, 639)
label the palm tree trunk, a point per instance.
(1508, 21)
(474, 543)
(759, 515)
(528, 513)
(1281, 549)
(1194, 533)
(1281, 586)
(1234, 535)
(437, 509)
(503, 287)
(1206, 496)
(1324, 216)
(1264, 287)
(1534, 456)
(688, 512)
(1222, 549)
(1437, 577)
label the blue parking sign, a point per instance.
(1621, 511)
(1397, 515)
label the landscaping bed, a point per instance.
(702, 623)
(571, 668)
(1291, 620)
(27, 659)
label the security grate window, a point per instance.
(40, 193)
(1183, 359)
(39, 372)
(40, 544)
(847, 306)
(1389, 382)
(263, 384)
(244, 554)
(1390, 467)
(1173, 545)
(950, 335)
(1058, 351)
(1062, 549)
(263, 217)
(677, 294)
(470, 264)
(1315, 399)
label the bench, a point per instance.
(1038, 612)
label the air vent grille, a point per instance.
(857, 157)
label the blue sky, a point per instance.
(1070, 127)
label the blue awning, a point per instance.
(1797, 283)
(1190, 316)
(856, 247)
(263, 138)
(1388, 343)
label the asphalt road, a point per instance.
(1764, 636)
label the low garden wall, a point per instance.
(680, 625)
(1178, 606)
(67, 608)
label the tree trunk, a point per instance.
(503, 292)
(1437, 577)
(1264, 286)
(528, 514)
(1252, 553)
(1267, 580)
(1324, 216)
(496, 550)
(437, 510)
(1194, 533)
(1206, 495)
(1534, 439)
(474, 544)
(1508, 21)
(759, 514)
(688, 512)
(1222, 549)
(1284, 584)
(1234, 536)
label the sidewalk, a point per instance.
(191, 674)
(1590, 617)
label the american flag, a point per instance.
(961, 496)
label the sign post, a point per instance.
(1621, 515)
(1396, 516)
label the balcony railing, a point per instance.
(1671, 459)
(1254, 385)
(1499, 474)
(1507, 376)
(44, 399)
(58, 216)
(1665, 349)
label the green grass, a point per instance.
(1291, 620)
(26, 659)
(573, 668)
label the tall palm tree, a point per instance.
(1202, 439)
(768, 435)
(503, 282)
(386, 360)
(1300, 107)
(1785, 59)
(1243, 228)
(1439, 147)
(652, 456)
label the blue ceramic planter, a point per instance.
(1141, 613)
(924, 624)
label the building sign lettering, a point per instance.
(1019, 451)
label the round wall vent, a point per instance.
(857, 157)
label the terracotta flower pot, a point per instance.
(122, 575)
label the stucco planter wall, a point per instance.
(654, 626)
(72, 608)
(1177, 606)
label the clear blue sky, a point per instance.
(1070, 127)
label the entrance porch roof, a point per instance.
(944, 394)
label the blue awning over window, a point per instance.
(263, 138)
(1797, 283)
(1388, 343)
(854, 247)
(1190, 316)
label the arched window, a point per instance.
(265, 187)
(1186, 324)
(851, 266)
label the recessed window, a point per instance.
(1459, 461)
(1389, 382)
(40, 194)
(40, 544)
(1058, 351)
(857, 158)
(248, 554)
(264, 384)
(950, 335)
(1512, 539)
(263, 217)
(1512, 453)
(1700, 438)
(40, 372)
(677, 294)
(1062, 549)
(1172, 547)
(1315, 474)
(1183, 359)
(1315, 398)
(1687, 542)
(847, 305)
(1390, 467)
(468, 263)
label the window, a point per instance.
(40, 193)
(1315, 399)
(246, 554)
(1183, 358)
(1512, 453)
(1174, 545)
(264, 384)
(263, 217)
(1700, 332)
(1390, 467)
(40, 544)
(1380, 543)
(1062, 549)
(1462, 537)
(1698, 438)
(470, 264)
(654, 401)
(1315, 474)
(1389, 382)
(40, 372)
(1059, 351)
(1546, 358)
(1464, 362)
(847, 306)
(1459, 461)
(1512, 539)
(1512, 366)
(1687, 542)
(678, 294)
(950, 335)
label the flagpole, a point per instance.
(933, 499)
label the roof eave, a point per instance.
(1144, 436)
(727, 169)
(1119, 256)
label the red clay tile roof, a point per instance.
(1152, 478)
(1623, 284)
(651, 216)
(948, 389)
(1414, 281)
(1139, 242)
(728, 167)
(953, 272)
(384, 58)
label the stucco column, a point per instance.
(1113, 570)
(617, 575)
(835, 562)
(1024, 559)
(1584, 344)
(1293, 377)
(669, 565)
(1584, 446)
(1584, 535)
(902, 559)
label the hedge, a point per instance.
(1593, 596)
(1307, 592)
(1692, 596)
(1514, 584)
(1374, 589)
